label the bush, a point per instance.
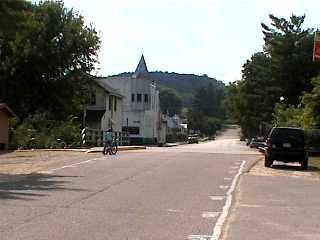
(312, 137)
(38, 132)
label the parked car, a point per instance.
(256, 143)
(194, 138)
(286, 145)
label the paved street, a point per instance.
(182, 192)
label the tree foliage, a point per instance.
(44, 54)
(284, 68)
(170, 101)
(207, 111)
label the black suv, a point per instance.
(286, 145)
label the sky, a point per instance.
(213, 37)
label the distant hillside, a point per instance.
(184, 84)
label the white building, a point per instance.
(141, 115)
(105, 109)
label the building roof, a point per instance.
(5, 108)
(141, 70)
(103, 84)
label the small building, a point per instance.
(5, 114)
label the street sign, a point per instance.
(316, 49)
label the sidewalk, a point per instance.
(278, 203)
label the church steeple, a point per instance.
(141, 70)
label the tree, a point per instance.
(208, 100)
(290, 50)
(311, 104)
(207, 112)
(170, 101)
(43, 64)
(285, 68)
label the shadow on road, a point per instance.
(31, 186)
(295, 168)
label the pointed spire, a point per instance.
(141, 70)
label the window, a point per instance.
(115, 104)
(132, 97)
(110, 102)
(93, 98)
(131, 130)
(146, 98)
(139, 97)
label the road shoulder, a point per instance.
(275, 203)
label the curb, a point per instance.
(248, 168)
(120, 149)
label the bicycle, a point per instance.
(111, 148)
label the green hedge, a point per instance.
(312, 137)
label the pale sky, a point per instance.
(213, 37)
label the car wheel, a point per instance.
(267, 161)
(304, 164)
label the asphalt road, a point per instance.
(182, 192)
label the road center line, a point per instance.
(225, 211)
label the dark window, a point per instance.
(132, 97)
(93, 98)
(139, 97)
(288, 135)
(110, 102)
(131, 130)
(146, 98)
(115, 104)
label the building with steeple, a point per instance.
(141, 115)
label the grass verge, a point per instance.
(314, 163)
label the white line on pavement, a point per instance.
(217, 198)
(210, 214)
(198, 237)
(223, 186)
(71, 165)
(227, 178)
(222, 218)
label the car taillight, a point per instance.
(269, 142)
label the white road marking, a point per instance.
(227, 178)
(199, 237)
(210, 214)
(225, 211)
(71, 165)
(232, 172)
(217, 198)
(223, 186)
(234, 167)
(174, 211)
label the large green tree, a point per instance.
(170, 101)
(290, 48)
(284, 68)
(45, 53)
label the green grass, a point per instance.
(314, 164)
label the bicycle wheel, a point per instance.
(104, 150)
(114, 149)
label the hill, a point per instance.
(184, 84)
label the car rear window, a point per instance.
(288, 135)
